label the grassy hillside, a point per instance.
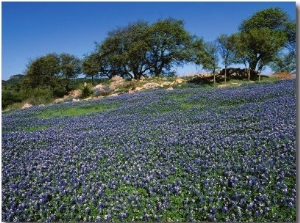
(190, 154)
(14, 97)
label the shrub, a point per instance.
(59, 92)
(9, 98)
(37, 96)
(86, 91)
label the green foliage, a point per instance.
(271, 18)
(86, 91)
(284, 62)
(262, 36)
(42, 72)
(51, 71)
(38, 96)
(91, 66)
(140, 49)
(59, 91)
(210, 61)
(70, 66)
(9, 98)
(169, 43)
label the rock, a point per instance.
(151, 85)
(166, 83)
(87, 99)
(114, 85)
(222, 85)
(138, 88)
(179, 80)
(116, 82)
(237, 73)
(114, 95)
(75, 93)
(26, 105)
(117, 78)
(170, 89)
(98, 89)
(75, 100)
(58, 100)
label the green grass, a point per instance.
(75, 111)
(35, 128)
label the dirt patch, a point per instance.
(284, 76)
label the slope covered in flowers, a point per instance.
(182, 155)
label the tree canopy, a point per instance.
(263, 35)
(266, 38)
(141, 49)
(51, 71)
(225, 45)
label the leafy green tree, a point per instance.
(211, 58)
(42, 72)
(242, 55)
(123, 51)
(271, 18)
(169, 43)
(52, 72)
(197, 51)
(91, 66)
(70, 67)
(265, 34)
(111, 54)
(137, 49)
(226, 49)
(290, 29)
(140, 49)
(285, 60)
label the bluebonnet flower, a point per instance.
(232, 152)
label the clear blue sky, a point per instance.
(33, 29)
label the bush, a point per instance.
(9, 98)
(38, 96)
(59, 92)
(86, 91)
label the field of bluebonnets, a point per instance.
(190, 154)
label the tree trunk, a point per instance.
(248, 70)
(214, 76)
(225, 73)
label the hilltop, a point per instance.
(83, 90)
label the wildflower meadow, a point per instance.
(190, 154)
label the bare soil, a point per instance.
(284, 76)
